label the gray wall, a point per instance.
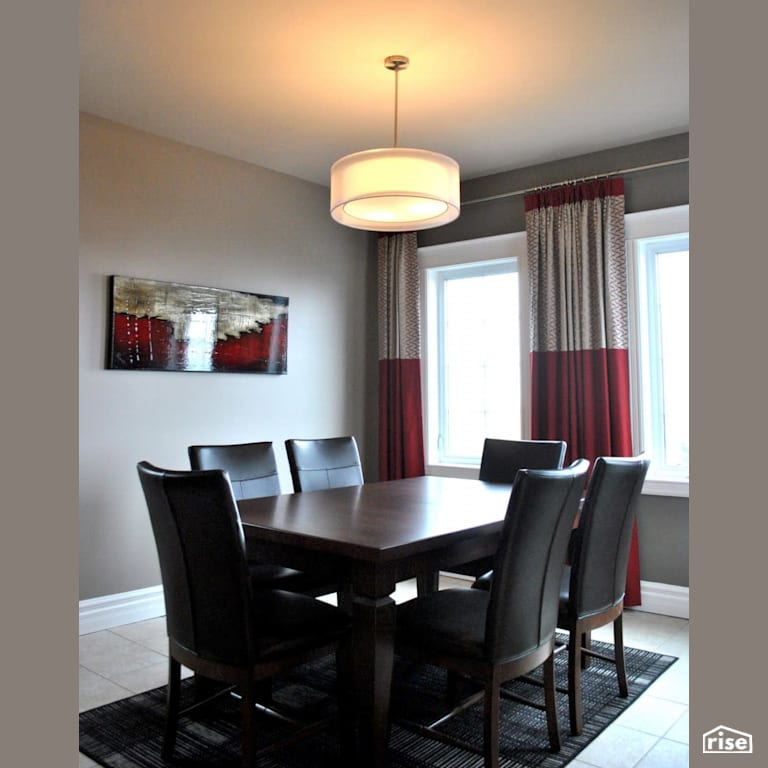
(647, 190)
(158, 209)
(662, 521)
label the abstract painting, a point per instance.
(174, 327)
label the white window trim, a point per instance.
(475, 251)
(643, 224)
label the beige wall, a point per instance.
(158, 209)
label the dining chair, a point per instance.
(217, 625)
(594, 580)
(252, 467)
(499, 463)
(496, 635)
(593, 583)
(252, 471)
(322, 463)
(501, 459)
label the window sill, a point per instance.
(651, 487)
(453, 470)
(659, 487)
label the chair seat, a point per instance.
(473, 568)
(451, 622)
(566, 616)
(266, 577)
(288, 623)
(484, 581)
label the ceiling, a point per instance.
(293, 85)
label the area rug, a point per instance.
(128, 733)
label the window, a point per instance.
(476, 369)
(658, 257)
(473, 360)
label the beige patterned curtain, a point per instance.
(579, 325)
(401, 437)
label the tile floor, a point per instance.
(652, 733)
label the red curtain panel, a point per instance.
(579, 326)
(401, 436)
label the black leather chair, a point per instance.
(503, 633)
(252, 467)
(499, 463)
(217, 625)
(593, 584)
(502, 458)
(321, 463)
(252, 471)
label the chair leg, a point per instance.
(247, 713)
(618, 645)
(491, 724)
(263, 691)
(586, 642)
(550, 703)
(172, 707)
(574, 681)
(451, 687)
(345, 692)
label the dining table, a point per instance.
(375, 535)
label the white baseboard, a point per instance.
(123, 608)
(141, 604)
(666, 599)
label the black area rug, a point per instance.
(128, 733)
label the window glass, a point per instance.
(662, 339)
(478, 358)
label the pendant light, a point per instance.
(398, 189)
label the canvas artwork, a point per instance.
(174, 327)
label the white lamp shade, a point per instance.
(395, 190)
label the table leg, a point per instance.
(427, 583)
(373, 648)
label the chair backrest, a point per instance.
(528, 566)
(201, 548)
(252, 467)
(600, 552)
(502, 458)
(330, 462)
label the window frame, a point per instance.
(478, 252)
(644, 225)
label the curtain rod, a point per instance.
(606, 175)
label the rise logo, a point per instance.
(726, 741)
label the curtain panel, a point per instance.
(579, 326)
(401, 435)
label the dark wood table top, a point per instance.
(379, 522)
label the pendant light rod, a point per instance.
(394, 132)
(396, 63)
